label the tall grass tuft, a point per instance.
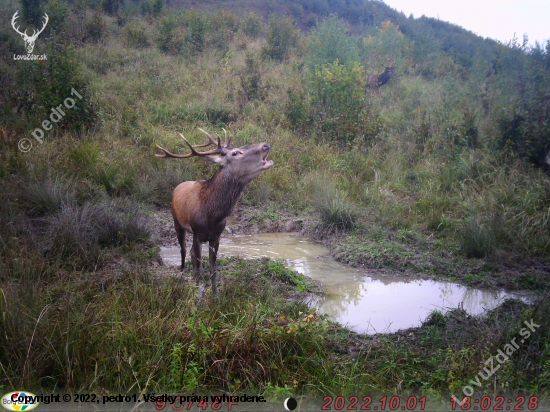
(77, 233)
(47, 195)
(336, 210)
(477, 239)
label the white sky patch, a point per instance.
(496, 19)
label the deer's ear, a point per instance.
(214, 160)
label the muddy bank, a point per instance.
(243, 221)
(409, 254)
(383, 252)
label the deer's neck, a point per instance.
(221, 194)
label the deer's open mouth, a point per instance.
(267, 163)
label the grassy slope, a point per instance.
(417, 197)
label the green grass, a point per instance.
(141, 333)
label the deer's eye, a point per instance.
(235, 153)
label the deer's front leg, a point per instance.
(213, 254)
(196, 257)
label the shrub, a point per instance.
(196, 24)
(251, 81)
(281, 37)
(170, 37)
(195, 31)
(135, 36)
(58, 13)
(388, 46)
(252, 25)
(152, 7)
(33, 11)
(111, 6)
(297, 108)
(95, 30)
(53, 81)
(330, 42)
(334, 104)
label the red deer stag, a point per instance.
(201, 207)
(375, 81)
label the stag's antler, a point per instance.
(219, 150)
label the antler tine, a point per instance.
(212, 141)
(167, 154)
(227, 139)
(195, 153)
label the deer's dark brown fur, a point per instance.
(376, 80)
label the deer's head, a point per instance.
(243, 163)
(29, 40)
(390, 72)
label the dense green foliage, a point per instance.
(449, 157)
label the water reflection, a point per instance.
(365, 303)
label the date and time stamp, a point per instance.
(397, 403)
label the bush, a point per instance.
(33, 11)
(135, 36)
(251, 81)
(221, 30)
(58, 13)
(95, 30)
(252, 25)
(281, 37)
(152, 7)
(194, 31)
(170, 37)
(45, 85)
(334, 105)
(111, 6)
(63, 74)
(330, 42)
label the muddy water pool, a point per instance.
(364, 302)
